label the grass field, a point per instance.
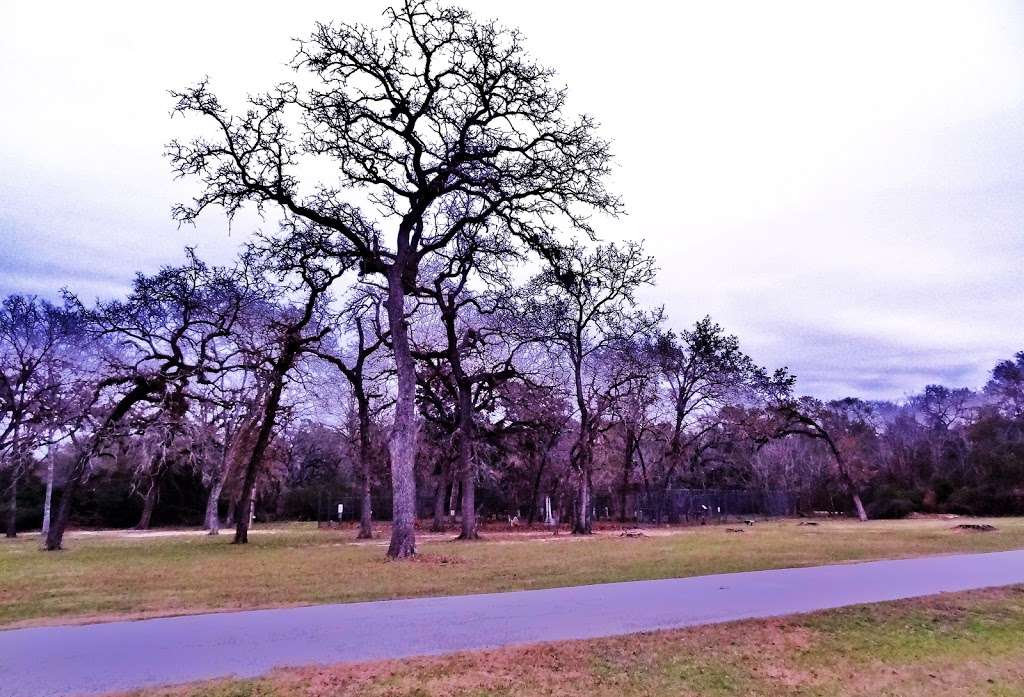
(106, 576)
(961, 644)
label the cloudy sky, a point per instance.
(840, 184)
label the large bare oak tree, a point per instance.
(434, 123)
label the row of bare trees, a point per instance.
(254, 382)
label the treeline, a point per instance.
(432, 326)
(153, 406)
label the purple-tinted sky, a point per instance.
(842, 187)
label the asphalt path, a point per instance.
(97, 658)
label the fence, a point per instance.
(689, 505)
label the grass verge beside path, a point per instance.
(101, 577)
(950, 645)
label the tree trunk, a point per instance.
(12, 492)
(538, 478)
(627, 468)
(48, 498)
(469, 531)
(467, 464)
(259, 449)
(644, 479)
(403, 435)
(229, 517)
(581, 459)
(535, 490)
(454, 496)
(55, 535)
(211, 521)
(582, 522)
(12, 503)
(366, 509)
(440, 489)
(148, 504)
(862, 515)
(858, 505)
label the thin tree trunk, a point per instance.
(469, 531)
(582, 523)
(535, 491)
(12, 502)
(440, 489)
(403, 434)
(229, 517)
(627, 468)
(581, 460)
(366, 509)
(148, 504)
(55, 535)
(259, 449)
(862, 514)
(211, 521)
(48, 498)
(643, 476)
(467, 464)
(858, 505)
(454, 495)
(582, 455)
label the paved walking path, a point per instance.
(90, 659)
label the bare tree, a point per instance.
(844, 426)
(585, 306)
(702, 370)
(302, 263)
(633, 411)
(362, 316)
(442, 123)
(36, 340)
(156, 338)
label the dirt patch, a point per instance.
(790, 677)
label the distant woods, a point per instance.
(433, 329)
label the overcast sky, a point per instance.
(840, 184)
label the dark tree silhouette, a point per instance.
(1007, 385)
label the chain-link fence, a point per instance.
(694, 505)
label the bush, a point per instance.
(986, 500)
(891, 508)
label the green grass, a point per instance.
(949, 645)
(101, 577)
